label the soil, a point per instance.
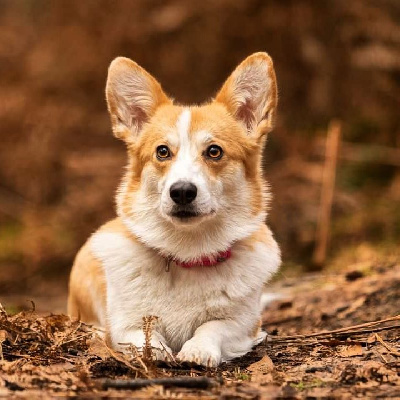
(333, 335)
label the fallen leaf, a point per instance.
(371, 339)
(98, 347)
(350, 351)
(261, 370)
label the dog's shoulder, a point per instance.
(264, 250)
(263, 236)
(111, 245)
(115, 226)
(115, 246)
(87, 287)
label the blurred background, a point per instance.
(60, 165)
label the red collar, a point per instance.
(205, 261)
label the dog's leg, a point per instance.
(136, 337)
(217, 341)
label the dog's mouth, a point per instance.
(185, 214)
(188, 214)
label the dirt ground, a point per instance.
(330, 335)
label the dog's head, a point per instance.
(193, 171)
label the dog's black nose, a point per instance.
(183, 193)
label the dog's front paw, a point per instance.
(136, 339)
(201, 353)
(162, 354)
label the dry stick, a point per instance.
(61, 342)
(390, 349)
(73, 339)
(185, 382)
(301, 340)
(169, 355)
(349, 329)
(381, 356)
(328, 188)
(139, 358)
(121, 359)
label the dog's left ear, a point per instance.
(250, 94)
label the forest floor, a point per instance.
(331, 335)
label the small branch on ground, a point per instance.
(389, 348)
(184, 382)
(355, 329)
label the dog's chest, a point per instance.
(138, 284)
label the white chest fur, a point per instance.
(183, 299)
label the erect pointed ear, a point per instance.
(133, 96)
(250, 94)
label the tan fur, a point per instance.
(87, 276)
(257, 328)
(263, 235)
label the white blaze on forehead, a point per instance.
(185, 166)
(183, 125)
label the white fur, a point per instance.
(183, 126)
(268, 298)
(206, 314)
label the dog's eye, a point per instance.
(215, 152)
(163, 152)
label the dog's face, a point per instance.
(195, 164)
(190, 165)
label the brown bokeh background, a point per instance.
(60, 165)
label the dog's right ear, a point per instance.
(133, 96)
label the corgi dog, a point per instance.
(189, 245)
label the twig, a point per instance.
(350, 330)
(169, 355)
(138, 357)
(388, 348)
(33, 306)
(186, 382)
(18, 355)
(381, 356)
(302, 341)
(73, 339)
(121, 359)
